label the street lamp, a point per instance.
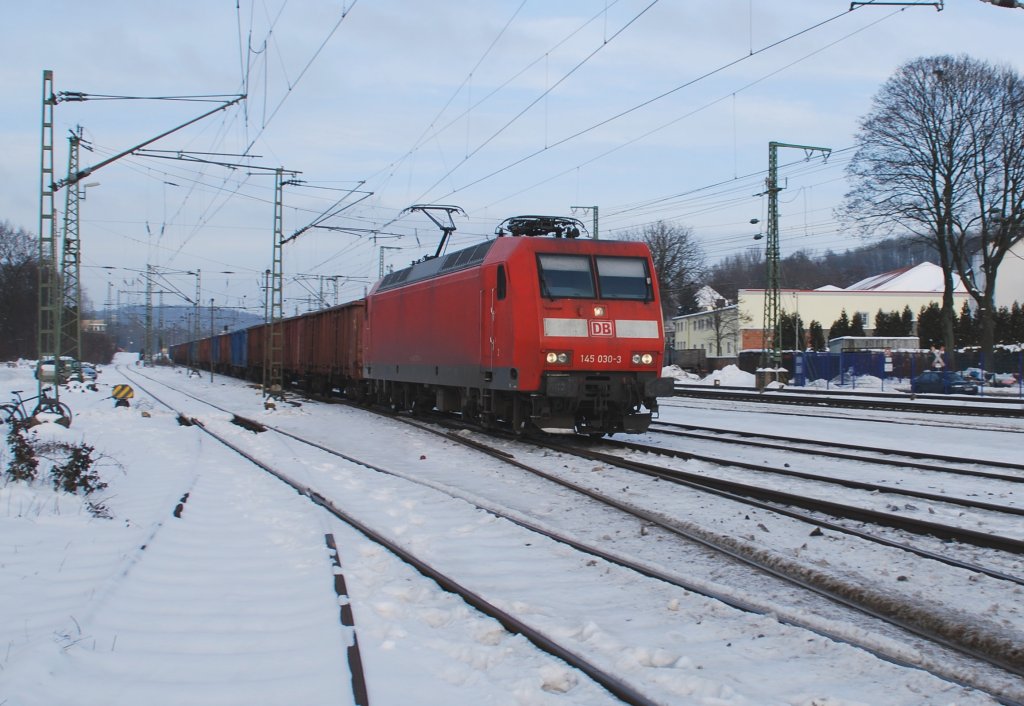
(81, 192)
(754, 222)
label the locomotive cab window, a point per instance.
(623, 278)
(565, 276)
(502, 284)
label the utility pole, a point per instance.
(69, 313)
(196, 326)
(771, 353)
(380, 274)
(212, 341)
(274, 349)
(147, 350)
(592, 209)
(46, 339)
(107, 320)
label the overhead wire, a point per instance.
(648, 102)
(534, 102)
(265, 122)
(451, 170)
(466, 80)
(690, 113)
(501, 86)
(424, 137)
(427, 134)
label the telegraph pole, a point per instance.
(771, 353)
(274, 349)
(68, 312)
(192, 364)
(46, 339)
(147, 355)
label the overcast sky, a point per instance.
(648, 110)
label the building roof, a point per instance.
(926, 277)
(706, 312)
(707, 298)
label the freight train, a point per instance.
(534, 328)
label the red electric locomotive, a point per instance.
(558, 332)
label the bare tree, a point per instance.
(18, 292)
(997, 220)
(726, 324)
(939, 155)
(678, 261)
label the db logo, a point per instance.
(601, 328)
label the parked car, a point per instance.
(944, 383)
(87, 370)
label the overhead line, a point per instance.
(309, 63)
(291, 85)
(644, 103)
(518, 115)
(422, 139)
(691, 113)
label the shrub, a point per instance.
(24, 465)
(77, 472)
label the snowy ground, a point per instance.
(732, 376)
(211, 583)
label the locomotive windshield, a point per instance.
(566, 276)
(571, 276)
(623, 278)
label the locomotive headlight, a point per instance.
(598, 311)
(559, 357)
(642, 359)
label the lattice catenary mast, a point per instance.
(771, 354)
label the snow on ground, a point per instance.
(211, 584)
(729, 376)
(732, 376)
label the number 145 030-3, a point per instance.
(594, 358)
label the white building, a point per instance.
(1010, 279)
(916, 287)
(723, 331)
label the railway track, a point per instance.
(812, 499)
(1010, 407)
(606, 679)
(960, 481)
(903, 458)
(783, 503)
(939, 664)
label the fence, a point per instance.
(874, 369)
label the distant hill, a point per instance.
(802, 270)
(171, 324)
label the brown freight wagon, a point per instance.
(320, 351)
(203, 354)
